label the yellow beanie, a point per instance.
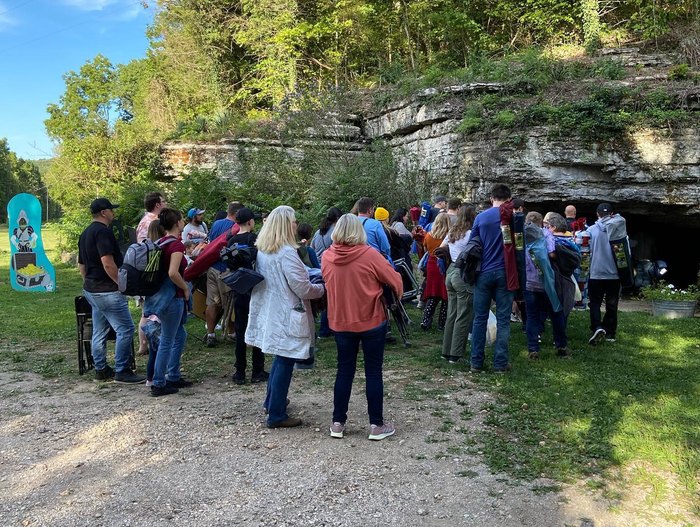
(381, 214)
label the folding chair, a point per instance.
(83, 318)
(398, 313)
(410, 284)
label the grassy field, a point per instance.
(624, 413)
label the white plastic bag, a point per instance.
(491, 329)
(577, 292)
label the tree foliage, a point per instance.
(16, 175)
(216, 63)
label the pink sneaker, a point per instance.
(337, 430)
(377, 433)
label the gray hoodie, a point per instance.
(603, 266)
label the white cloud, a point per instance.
(6, 19)
(90, 5)
(118, 10)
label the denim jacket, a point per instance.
(156, 304)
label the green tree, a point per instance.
(16, 175)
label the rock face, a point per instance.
(651, 172)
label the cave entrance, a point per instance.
(656, 232)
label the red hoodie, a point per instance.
(354, 275)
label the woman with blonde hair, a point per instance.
(355, 274)
(281, 322)
(460, 295)
(435, 290)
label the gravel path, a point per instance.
(81, 453)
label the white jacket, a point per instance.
(274, 325)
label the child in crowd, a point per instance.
(435, 290)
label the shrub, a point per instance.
(668, 292)
(505, 119)
(679, 72)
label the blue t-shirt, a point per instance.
(487, 226)
(217, 229)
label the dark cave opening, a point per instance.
(656, 232)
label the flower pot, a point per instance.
(673, 308)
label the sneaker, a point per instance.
(180, 383)
(159, 391)
(377, 433)
(289, 422)
(504, 369)
(129, 377)
(474, 369)
(564, 353)
(149, 383)
(420, 305)
(259, 377)
(238, 378)
(211, 341)
(597, 337)
(337, 430)
(104, 374)
(610, 338)
(533, 355)
(514, 317)
(453, 360)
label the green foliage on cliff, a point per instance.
(218, 68)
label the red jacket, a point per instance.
(354, 276)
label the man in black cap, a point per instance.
(99, 258)
(241, 306)
(603, 278)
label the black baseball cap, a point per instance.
(101, 204)
(243, 215)
(604, 209)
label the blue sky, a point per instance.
(40, 40)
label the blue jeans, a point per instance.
(172, 342)
(538, 307)
(324, 329)
(348, 344)
(491, 285)
(278, 388)
(111, 309)
(152, 331)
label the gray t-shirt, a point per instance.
(192, 233)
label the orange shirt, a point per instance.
(354, 276)
(430, 244)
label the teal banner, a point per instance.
(30, 269)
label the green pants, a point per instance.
(460, 315)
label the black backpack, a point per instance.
(239, 256)
(568, 259)
(142, 272)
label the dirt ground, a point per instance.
(77, 452)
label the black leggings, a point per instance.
(241, 306)
(429, 310)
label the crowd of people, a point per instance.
(474, 264)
